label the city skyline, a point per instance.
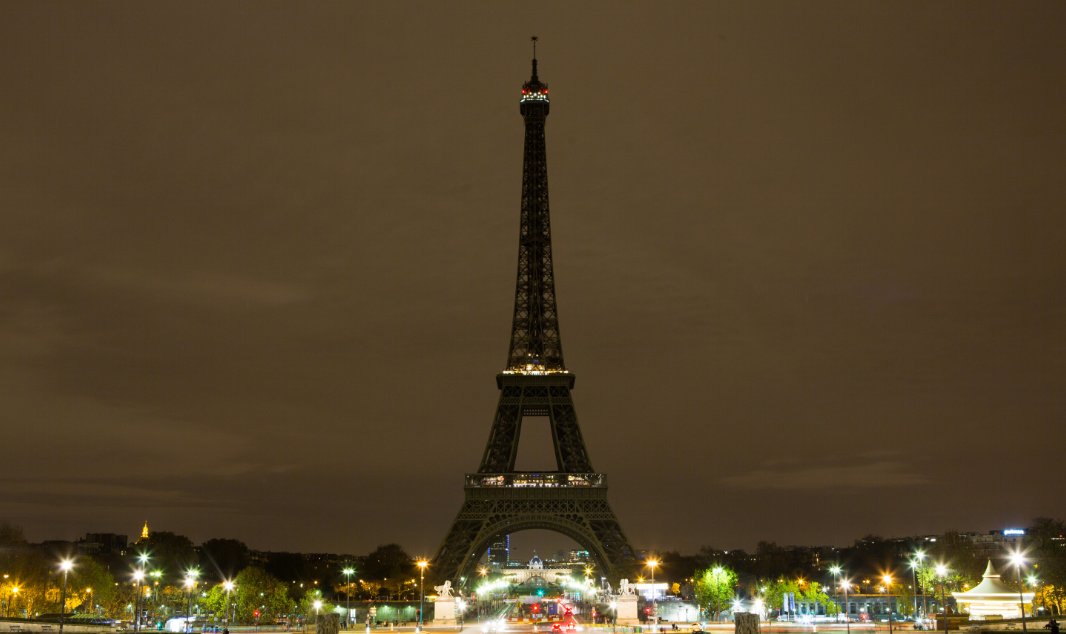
(258, 265)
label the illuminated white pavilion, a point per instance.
(536, 570)
(992, 598)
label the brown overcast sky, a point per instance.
(257, 263)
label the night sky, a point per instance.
(257, 264)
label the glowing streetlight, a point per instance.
(483, 572)
(317, 605)
(421, 563)
(65, 565)
(228, 586)
(887, 580)
(190, 584)
(348, 572)
(840, 582)
(653, 563)
(942, 574)
(138, 577)
(1017, 559)
(916, 565)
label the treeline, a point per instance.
(177, 574)
(900, 566)
(167, 575)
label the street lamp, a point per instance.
(887, 580)
(156, 575)
(348, 572)
(317, 605)
(914, 565)
(138, 576)
(14, 595)
(843, 583)
(422, 563)
(65, 565)
(920, 556)
(483, 572)
(190, 584)
(653, 563)
(228, 586)
(1017, 560)
(942, 574)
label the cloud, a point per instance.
(197, 286)
(873, 475)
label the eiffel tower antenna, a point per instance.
(572, 499)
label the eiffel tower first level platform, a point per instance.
(500, 500)
(572, 499)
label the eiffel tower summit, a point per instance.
(572, 499)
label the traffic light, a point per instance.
(535, 608)
(540, 592)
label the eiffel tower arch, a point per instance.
(572, 499)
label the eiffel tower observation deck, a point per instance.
(572, 499)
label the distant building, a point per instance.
(994, 544)
(499, 552)
(102, 544)
(536, 574)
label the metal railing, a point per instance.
(536, 480)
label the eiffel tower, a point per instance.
(572, 500)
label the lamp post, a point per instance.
(942, 574)
(843, 583)
(348, 572)
(156, 575)
(483, 572)
(190, 585)
(1018, 560)
(920, 556)
(14, 595)
(65, 565)
(914, 585)
(422, 563)
(138, 577)
(653, 563)
(228, 586)
(887, 580)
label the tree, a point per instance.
(256, 589)
(90, 584)
(774, 592)
(172, 553)
(388, 561)
(715, 588)
(1043, 543)
(814, 593)
(306, 607)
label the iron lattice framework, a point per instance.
(573, 499)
